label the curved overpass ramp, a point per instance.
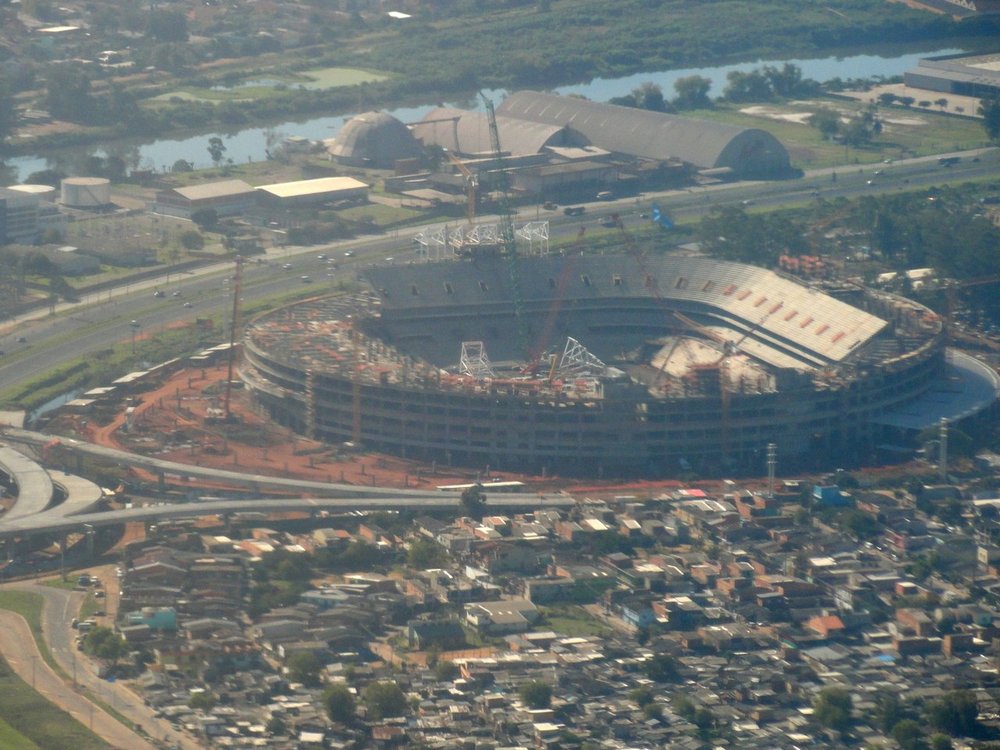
(249, 482)
(34, 485)
(82, 496)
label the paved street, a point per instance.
(59, 609)
(19, 650)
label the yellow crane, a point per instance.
(471, 185)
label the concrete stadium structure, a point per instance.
(752, 358)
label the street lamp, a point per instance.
(136, 325)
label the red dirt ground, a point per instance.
(170, 423)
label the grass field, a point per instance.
(35, 722)
(27, 720)
(261, 86)
(11, 739)
(906, 132)
(573, 621)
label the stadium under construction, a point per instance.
(603, 366)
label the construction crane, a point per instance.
(471, 186)
(506, 226)
(558, 298)
(233, 325)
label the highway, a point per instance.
(76, 513)
(103, 319)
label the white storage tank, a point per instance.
(86, 192)
(45, 192)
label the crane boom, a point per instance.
(507, 237)
(471, 185)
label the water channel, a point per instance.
(251, 144)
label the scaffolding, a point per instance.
(474, 361)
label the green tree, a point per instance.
(474, 501)
(383, 699)
(649, 96)
(446, 671)
(192, 240)
(105, 644)
(276, 726)
(536, 694)
(216, 149)
(683, 705)
(826, 121)
(338, 702)
(642, 695)
(909, 735)
(955, 713)
(426, 553)
(204, 700)
(182, 165)
(888, 711)
(989, 109)
(52, 177)
(752, 86)
(304, 667)
(832, 708)
(205, 218)
(692, 92)
(662, 668)
(941, 742)
(167, 26)
(68, 92)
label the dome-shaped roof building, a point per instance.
(703, 144)
(373, 139)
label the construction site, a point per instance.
(599, 366)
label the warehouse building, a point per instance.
(642, 134)
(226, 198)
(373, 139)
(467, 133)
(314, 192)
(977, 76)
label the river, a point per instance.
(251, 144)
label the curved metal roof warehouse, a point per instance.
(748, 152)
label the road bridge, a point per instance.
(36, 515)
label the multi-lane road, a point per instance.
(102, 319)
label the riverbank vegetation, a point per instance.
(516, 44)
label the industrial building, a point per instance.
(373, 139)
(642, 134)
(614, 366)
(226, 198)
(18, 216)
(312, 192)
(977, 75)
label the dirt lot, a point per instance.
(178, 422)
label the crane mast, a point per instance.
(233, 327)
(506, 227)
